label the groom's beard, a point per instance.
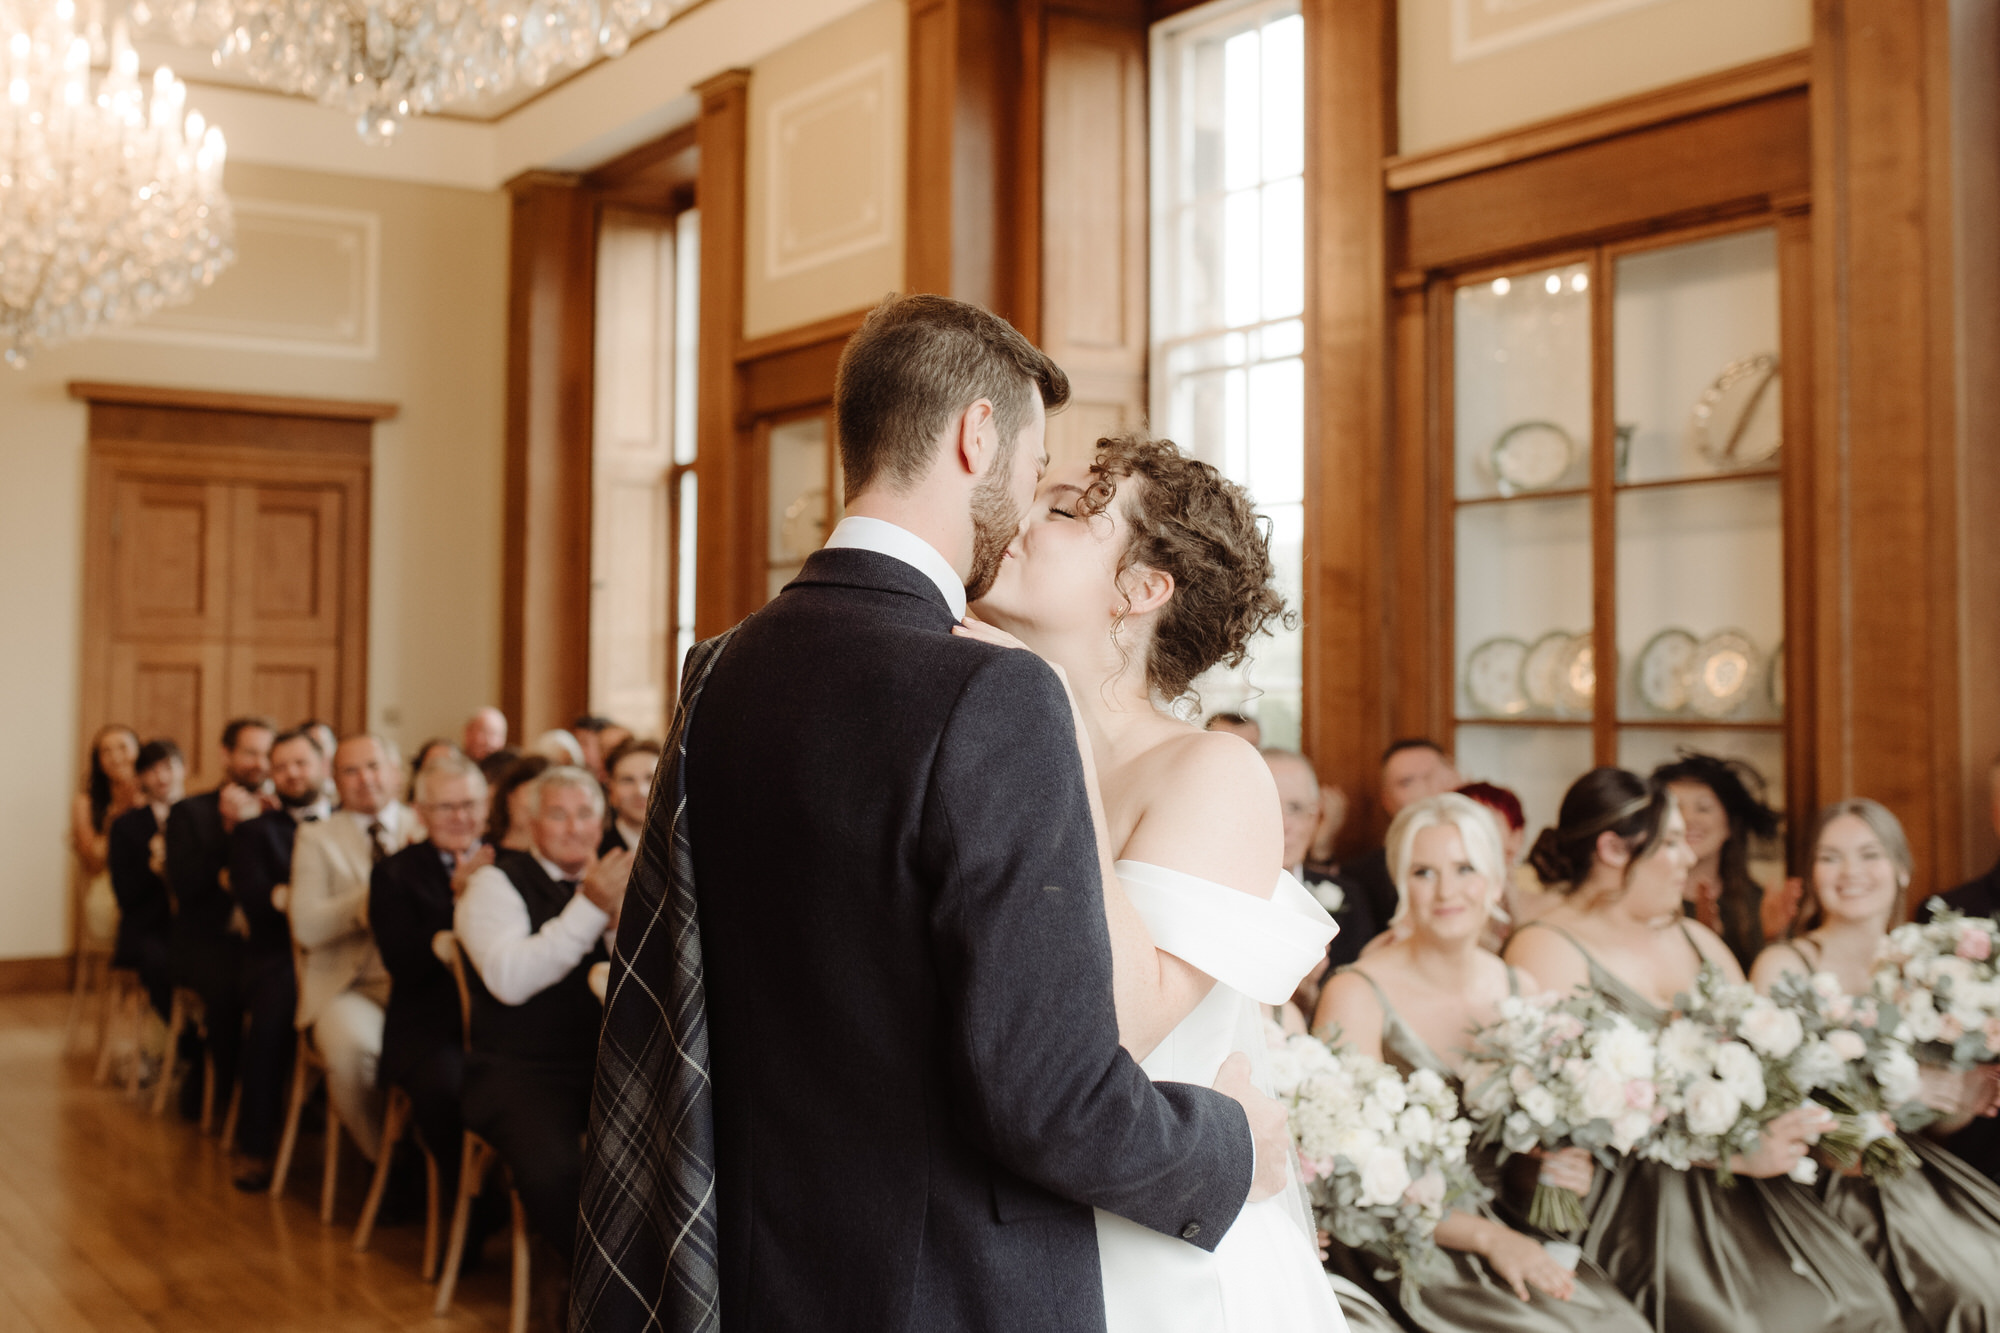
(995, 520)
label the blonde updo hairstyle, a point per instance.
(1476, 828)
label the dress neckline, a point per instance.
(1418, 1052)
(1620, 992)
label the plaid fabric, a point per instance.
(646, 1246)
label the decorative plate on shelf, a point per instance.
(1663, 676)
(1775, 687)
(1493, 677)
(1532, 456)
(1576, 677)
(1722, 674)
(1737, 421)
(1539, 672)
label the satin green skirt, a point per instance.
(1934, 1234)
(1764, 1255)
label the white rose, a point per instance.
(1384, 1177)
(1774, 1031)
(1540, 1105)
(1898, 1076)
(1355, 1142)
(1626, 1051)
(1738, 1066)
(1827, 986)
(1425, 1085)
(1603, 1095)
(1712, 1108)
(1388, 1090)
(1629, 1128)
(1519, 1128)
(1685, 1049)
(1819, 1065)
(1377, 1116)
(1921, 1020)
(1847, 1045)
(1520, 1078)
(1953, 969)
(1416, 1125)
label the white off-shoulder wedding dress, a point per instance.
(1265, 1276)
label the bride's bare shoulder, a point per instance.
(1209, 806)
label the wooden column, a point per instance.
(1886, 448)
(1350, 129)
(545, 613)
(724, 591)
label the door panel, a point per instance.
(176, 689)
(287, 683)
(287, 564)
(170, 553)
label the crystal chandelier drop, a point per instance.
(384, 60)
(111, 204)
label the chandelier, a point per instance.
(384, 60)
(111, 204)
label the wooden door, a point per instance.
(225, 569)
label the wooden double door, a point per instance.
(226, 573)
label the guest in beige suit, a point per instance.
(345, 987)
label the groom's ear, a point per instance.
(974, 438)
(1146, 589)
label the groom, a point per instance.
(917, 1089)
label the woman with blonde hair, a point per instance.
(1415, 1003)
(1934, 1231)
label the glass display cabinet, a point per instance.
(1615, 427)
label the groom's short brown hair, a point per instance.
(917, 362)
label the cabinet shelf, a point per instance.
(1582, 723)
(1701, 479)
(1700, 724)
(1566, 493)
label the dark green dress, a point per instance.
(1934, 1232)
(1701, 1257)
(1472, 1297)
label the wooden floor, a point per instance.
(113, 1220)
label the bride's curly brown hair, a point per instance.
(1189, 521)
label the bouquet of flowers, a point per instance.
(1941, 977)
(1859, 1068)
(1382, 1156)
(1555, 1072)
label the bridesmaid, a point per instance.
(109, 789)
(1696, 1256)
(1414, 1003)
(1935, 1231)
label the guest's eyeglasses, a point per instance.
(467, 808)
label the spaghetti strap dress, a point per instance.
(1934, 1232)
(1472, 1297)
(1698, 1256)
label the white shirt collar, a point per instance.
(554, 871)
(885, 538)
(390, 816)
(631, 833)
(319, 809)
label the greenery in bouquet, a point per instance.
(1382, 1157)
(1561, 1072)
(1940, 975)
(1858, 1067)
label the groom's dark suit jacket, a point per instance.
(919, 1091)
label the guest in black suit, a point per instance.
(260, 862)
(632, 766)
(1412, 769)
(531, 925)
(1299, 796)
(409, 902)
(911, 1130)
(205, 946)
(145, 909)
(1979, 1142)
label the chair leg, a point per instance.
(207, 1090)
(107, 998)
(394, 1117)
(229, 1117)
(431, 1201)
(517, 1316)
(177, 1018)
(79, 995)
(301, 1085)
(472, 1166)
(114, 1000)
(330, 1172)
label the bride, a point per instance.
(1131, 577)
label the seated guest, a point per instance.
(559, 746)
(110, 788)
(507, 814)
(631, 766)
(1412, 770)
(145, 911)
(345, 985)
(429, 750)
(485, 734)
(260, 862)
(205, 945)
(1525, 898)
(1236, 724)
(1299, 799)
(531, 924)
(1722, 801)
(409, 901)
(497, 765)
(328, 740)
(593, 741)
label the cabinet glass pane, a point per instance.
(1521, 382)
(1523, 608)
(802, 505)
(1536, 763)
(1701, 608)
(1696, 364)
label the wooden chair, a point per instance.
(474, 1160)
(308, 1069)
(124, 1007)
(187, 1009)
(395, 1120)
(92, 986)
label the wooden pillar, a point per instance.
(724, 593)
(1350, 129)
(545, 613)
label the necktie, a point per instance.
(378, 848)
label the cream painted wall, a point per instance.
(435, 560)
(824, 195)
(1466, 73)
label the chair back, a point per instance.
(281, 899)
(445, 944)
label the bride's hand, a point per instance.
(972, 627)
(1521, 1262)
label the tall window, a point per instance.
(1228, 337)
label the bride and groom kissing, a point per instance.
(936, 999)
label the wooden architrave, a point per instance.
(725, 589)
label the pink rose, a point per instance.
(1309, 1170)
(1865, 1017)
(1640, 1094)
(1949, 1028)
(1426, 1191)
(1974, 944)
(1991, 1031)
(1840, 1009)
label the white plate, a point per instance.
(1532, 456)
(1723, 673)
(1493, 677)
(1738, 421)
(1538, 673)
(1576, 677)
(1662, 676)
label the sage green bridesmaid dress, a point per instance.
(1697, 1256)
(1472, 1298)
